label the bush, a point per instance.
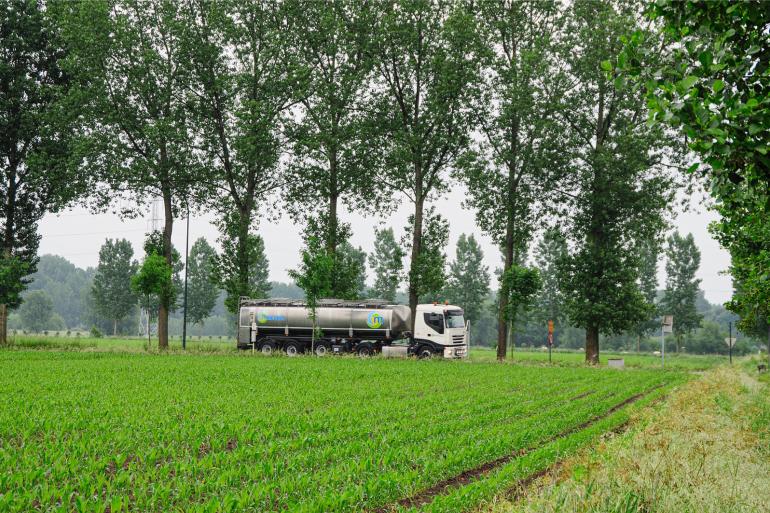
(96, 332)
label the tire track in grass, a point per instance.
(427, 495)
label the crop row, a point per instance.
(218, 433)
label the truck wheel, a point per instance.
(267, 348)
(424, 353)
(321, 350)
(365, 351)
(293, 348)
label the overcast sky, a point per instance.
(77, 236)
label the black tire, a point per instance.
(293, 348)
(267, 348)
(321, 349)
(365, 350)
(424, 353)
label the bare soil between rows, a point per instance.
(427, 495)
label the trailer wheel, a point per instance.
(267, 348)
(365, 350)
(424, 353)
(321, 350)
(293, 348)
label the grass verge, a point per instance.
(707, 449)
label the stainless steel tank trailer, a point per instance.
(360, 327)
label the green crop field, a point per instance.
(107, 431)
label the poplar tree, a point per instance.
(39, 172)
(140, 143)
(428, 271)
(333, 146)
(113, 298)
(202, 291)
(468, 279)
(512, 169)
(618, 174)
(648, 284)
(680, 296)
(549, 304)
(386, 261)
(227, 271)
(245, 76)
(427, 62)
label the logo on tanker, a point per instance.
(375, 320)
(262, 317)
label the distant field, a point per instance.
(480, 354)
(109, 431)
(673, 361)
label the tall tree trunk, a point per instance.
(416, 250)
(244, 220)
(331, 237)
(114, 327)
(503, 324)
(3, 324)
(168, 227)
(592, 345)
(768, 346)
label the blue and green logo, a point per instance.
(262, 317)
(375, 320)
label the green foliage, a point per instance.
(520, 284)
(467, 284)
(549, 304)
(350, 267)
(36, 311)
(96, 332)
(395, 440)
(242, 268)
(386, 261)
(713, 86)
(347, 278)
(648, 285)
(618, 169)
(315, 274)
(111, 288)
(154, 279)
(335, 152)
(427, 63)
(683, 260)
(39, 172)
(427, 274)
(202, 291)
(245, 74)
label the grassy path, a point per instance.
(706, 449)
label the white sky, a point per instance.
(77, 235)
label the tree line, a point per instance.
(551, 114)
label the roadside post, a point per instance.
(730, 341)
(550, 339)
(668, 327)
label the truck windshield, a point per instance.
(454, 319)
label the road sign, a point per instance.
(668, 323)
(730, 341)
(550, 339)
(550, 327)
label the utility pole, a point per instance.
(730, 328)
(186, 255)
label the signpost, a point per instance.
(730, 341)
(550, 339)
(668, 327)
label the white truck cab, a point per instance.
(440, 330)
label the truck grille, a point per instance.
(458, 339)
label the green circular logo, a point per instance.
(375, 320)
(261, 318)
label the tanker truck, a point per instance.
(359, 327)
